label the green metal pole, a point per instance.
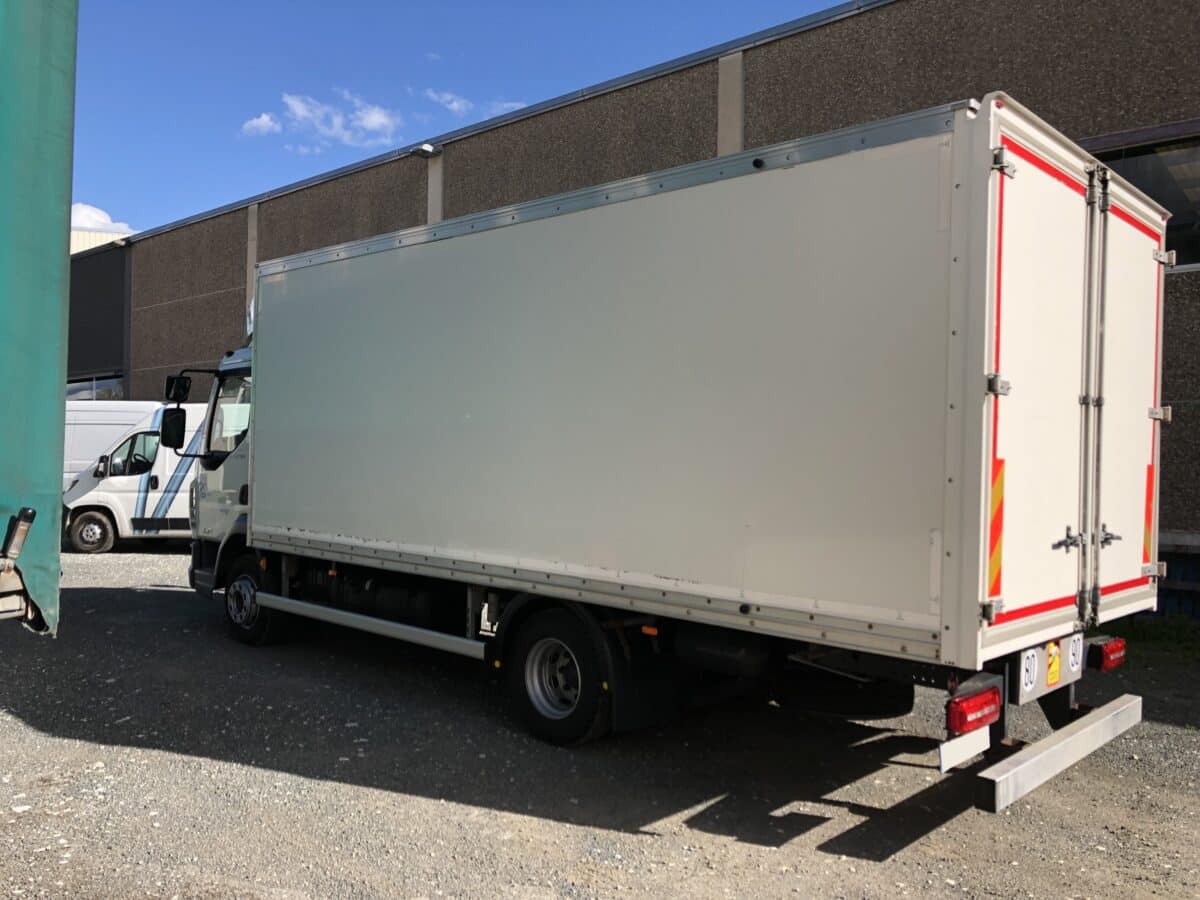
(37, 115)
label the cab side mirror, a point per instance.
(174, 425)
(179, 387)
(101, 470)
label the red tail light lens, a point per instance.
(972, 711)
(1106, 654)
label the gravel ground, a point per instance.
(143, 754)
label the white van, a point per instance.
(133, 488)
(92, 428)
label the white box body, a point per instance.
(751, 392)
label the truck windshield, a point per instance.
(230, 415)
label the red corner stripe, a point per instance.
(1049, 168)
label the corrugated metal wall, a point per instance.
(98, 326)
(86, 239)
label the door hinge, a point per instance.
(998, 386)
(1165, 257)
(1155, 570)
(1107, 537)
(990, 608)
(1001, 164)
(1068, 541)
(1162, 413)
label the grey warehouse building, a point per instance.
(1116, 75)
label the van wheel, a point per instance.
(92, 532)
(558, 679)
(248, 622)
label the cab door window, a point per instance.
(135, 455)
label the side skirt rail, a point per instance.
(437, 639)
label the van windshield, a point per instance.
(230, 415)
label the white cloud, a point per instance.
(92, 218)
(460, 106)
(352, 122)
(433, 57)
(263, 123)
(370, 118)
(500, 107)
(304, 149)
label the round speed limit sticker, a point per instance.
(1029, 670)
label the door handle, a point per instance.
(154, 482)
(1107, 537)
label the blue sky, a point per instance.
(184, 106)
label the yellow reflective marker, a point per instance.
(1052, 661)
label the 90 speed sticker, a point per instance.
(1075, 653)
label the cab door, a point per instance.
(132, 481)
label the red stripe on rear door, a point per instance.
(1049, 168)
(1124, 585)
(1136, 223)
(1035, 609)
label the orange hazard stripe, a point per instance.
(1149, 513)
(996, 529)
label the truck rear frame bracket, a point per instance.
(1165, 257)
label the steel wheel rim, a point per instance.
(91, 533)
(552, 678)
(240, 601)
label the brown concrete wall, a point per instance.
(383, 198)
(1088, 69)
(654, 125)
(1179, 482)
(187, 300)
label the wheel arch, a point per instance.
(625, 709)
(77, 511)
(233, 545)
(101, 504)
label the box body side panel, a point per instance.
(736, 389)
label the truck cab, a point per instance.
(219, 496)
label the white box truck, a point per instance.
(881, 402)
(134, 488)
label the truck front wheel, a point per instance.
(558, 680)
(248, 622)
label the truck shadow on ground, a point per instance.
(153, 668)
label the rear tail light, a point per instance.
(971, 711)
(1106, 654)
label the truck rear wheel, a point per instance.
(558, 679)
(91, 532)
(248, 622)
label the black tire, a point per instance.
(248, 622)
(558, 680)
(91, 532)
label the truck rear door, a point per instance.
(1039, 331)
(1130, 322)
